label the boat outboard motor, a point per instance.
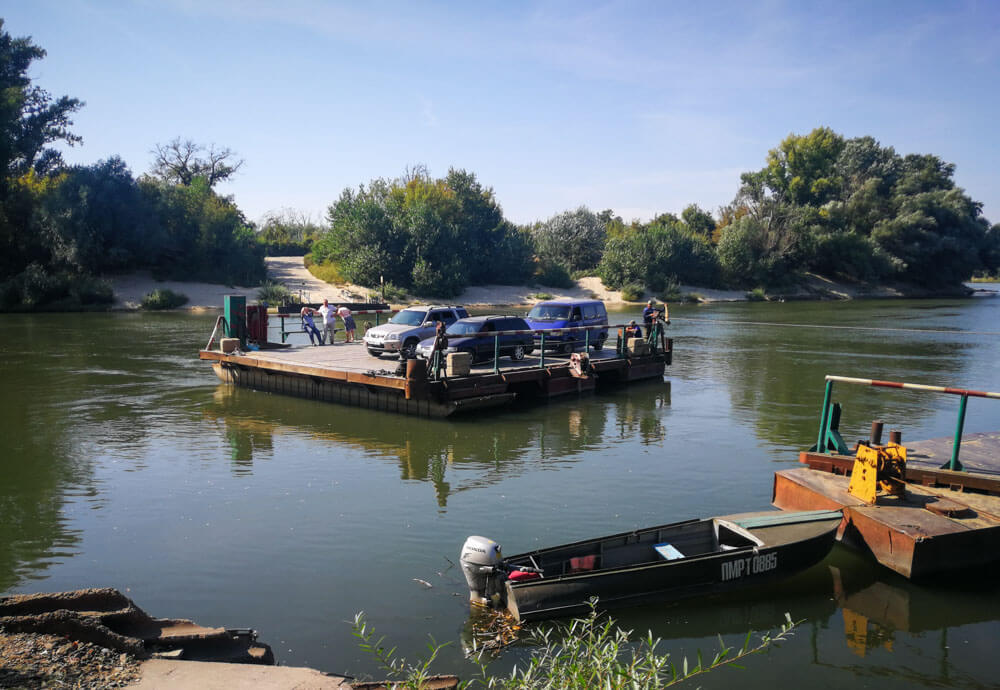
(482, 564)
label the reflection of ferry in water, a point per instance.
(433, 450)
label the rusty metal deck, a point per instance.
(946, 521)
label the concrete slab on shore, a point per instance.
(164, 674)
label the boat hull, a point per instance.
(668, 580)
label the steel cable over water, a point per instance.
(828, 327)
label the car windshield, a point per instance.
(549, 312)
(464, 328)
(409, 317)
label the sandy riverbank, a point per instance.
(291, 272)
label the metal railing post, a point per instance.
(541, 354)
(955, 465)
(496, 354)
(821, 438)
(586, 341)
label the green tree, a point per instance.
(698, 221)
(94, 219)
(495, 250)
(205, 236)
(432, 236)
(574, 239)
(287, 232)
(658, 254)
(855, 209)
(30, 120)
(753, 252)
(801, 170)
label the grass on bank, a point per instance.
(588, 652)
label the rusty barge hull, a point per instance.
(345, 374)
(947, 521)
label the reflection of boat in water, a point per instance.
(662, 563)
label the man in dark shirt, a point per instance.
(648, 314)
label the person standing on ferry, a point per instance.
(349, 326)
(329, 321)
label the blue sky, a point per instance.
(642, 108)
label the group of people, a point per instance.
(329, 318)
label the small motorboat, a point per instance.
(664, 563)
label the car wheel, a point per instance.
(599, 345)
(566, 348)
(374, 353)
(518, 353)
(409, 349)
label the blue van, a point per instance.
(569, 314)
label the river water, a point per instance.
(125, 463)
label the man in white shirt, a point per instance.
(329, 321)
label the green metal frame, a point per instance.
(829, 439)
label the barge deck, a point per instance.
(943, 514)
(345, 373)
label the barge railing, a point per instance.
(828, 413)
(285, 333)
(220, 321)
(656, 340)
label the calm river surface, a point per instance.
(125, 463)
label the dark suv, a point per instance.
(477, 336)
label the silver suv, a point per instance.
(409, 327)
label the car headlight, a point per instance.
(392, 336)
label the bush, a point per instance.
(750, 253)
(588, 652)
(553, 275)
(671, 291)
(656, 254)
(757, 295)
(541, 296)
(393, 293)
(286, 248)
(39, 287)
(275, 293)
(632, 292)
(163, 299)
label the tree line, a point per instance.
(848, 208)
(63, 226)
(845, 208)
